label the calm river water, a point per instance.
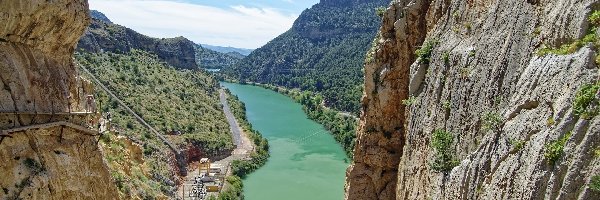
(305, 163)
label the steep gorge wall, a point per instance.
(483, 63)
(41, 85)
(103, 35)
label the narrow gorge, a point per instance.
(461, 99)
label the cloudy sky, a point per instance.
(237, 23)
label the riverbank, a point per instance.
(342, 125)
(256, 157)
(305, 160)
(246, 151)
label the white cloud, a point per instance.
(238, 26)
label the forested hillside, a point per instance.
(103, 35)
(180, 102)
(169, 99)
(323, 52)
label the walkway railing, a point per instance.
(82, 129)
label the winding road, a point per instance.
(233, 125)
(242, 151)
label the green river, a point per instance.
(305, 163)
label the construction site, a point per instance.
(208, 179)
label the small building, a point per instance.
(212, 188)
(216, 168)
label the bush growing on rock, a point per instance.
(586, 103)
(554, 150)
(424, 53)
(595, 183)
(444, 159)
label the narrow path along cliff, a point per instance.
(244, 145)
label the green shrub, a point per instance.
(424, 53)
(517, 144)
(491, 121)
(537, 31)
(410, 101)
(446, 105)
(550, 121)
(570, 48)
(446, 58)
(586, 104)
(380, 11)
(465, 72)
(455, 14)
(370, 56)
(441, 141)
(554, 150)
(595, 18)
(472, 53)
(597, 153)
(232, 193)
(468, 26)
(595, 183)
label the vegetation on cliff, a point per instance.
(168, 99)
(444, 159)
(590, 38)
(323, 52)
(138, 171)
(104, 36)
(172, 101)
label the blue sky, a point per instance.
(237, 23)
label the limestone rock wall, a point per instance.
(54, 163)
(483, 63)
(39, 85)
(36, 45)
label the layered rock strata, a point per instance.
(485, 84)
(47, 152)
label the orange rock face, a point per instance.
(38, 78)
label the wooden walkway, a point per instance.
(43, 113)
(8, 132)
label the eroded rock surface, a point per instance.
(53, 163)
(41, 85)
(483, 63)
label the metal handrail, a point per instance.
(7, 132)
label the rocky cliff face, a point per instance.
(103, 36)
(40, 86)
(480, 81)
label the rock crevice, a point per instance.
(486, 85)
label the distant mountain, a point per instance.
(210, 59)
(324, 51)
(221, 49)
(99, 16)
(103, 35)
